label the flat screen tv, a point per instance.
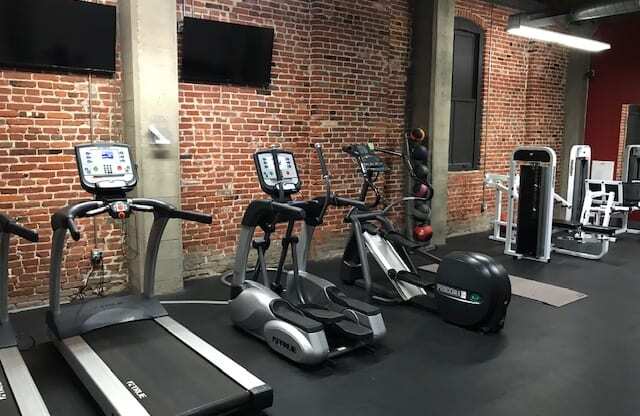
(226, 53)
(66, 35)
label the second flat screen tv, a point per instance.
(226, 53)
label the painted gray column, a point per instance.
(430, 95)
(575, 104)
(148, 40)
(440, 113)
(575, 110)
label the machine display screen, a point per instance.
(277, 171)
(268, 169)
(105, 164)
(287, 170)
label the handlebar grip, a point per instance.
(23, 232)
(323, 164)
(73, 229)
(193, 216)
(356, 203)
(298, 213)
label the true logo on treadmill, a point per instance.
(283, 344)
(136, 390)
(3, 395)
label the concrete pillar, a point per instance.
(575, 110)
(430, 92)
(575, 103)
(148, 40)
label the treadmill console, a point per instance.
(277, 172)
(106, 168)
(369, 161)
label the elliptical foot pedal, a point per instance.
(413, 279)
(352, 330)
(343, 300)
(289, 313)
(320, 314)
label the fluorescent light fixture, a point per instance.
(563, 39)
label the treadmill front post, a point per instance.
(4, 280)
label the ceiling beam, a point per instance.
(520, 5)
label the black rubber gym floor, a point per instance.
(581, 359)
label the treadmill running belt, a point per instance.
(8, 405)
(166, 376)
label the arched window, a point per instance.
(466, 96)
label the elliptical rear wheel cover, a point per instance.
(473, 291)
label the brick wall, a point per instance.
(622, 141)
(42, 116)
(339, 77)
(523, 93)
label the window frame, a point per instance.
(465, 25)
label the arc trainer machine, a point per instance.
(469, 289)
(131, 356)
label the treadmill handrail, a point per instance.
(64, 220)
(8, 225)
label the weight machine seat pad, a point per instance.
(295, 316)
(321, 314)
(175, 378)
(569, 225)
(343, 300)
(608, 231)
(8, 406)
(597, 229)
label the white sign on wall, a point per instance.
(602, 170)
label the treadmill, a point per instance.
(132, 357)
(19, 395)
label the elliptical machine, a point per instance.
(301, 316)
(469, 289)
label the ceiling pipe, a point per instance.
(582, 14)
(603, 9)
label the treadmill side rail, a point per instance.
(21, 383)
(96, 376)
(263, 395)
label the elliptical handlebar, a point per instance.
(326, 178)
(8, 225)
(295, 212)
(349, 202)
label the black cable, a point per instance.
(92, 139)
